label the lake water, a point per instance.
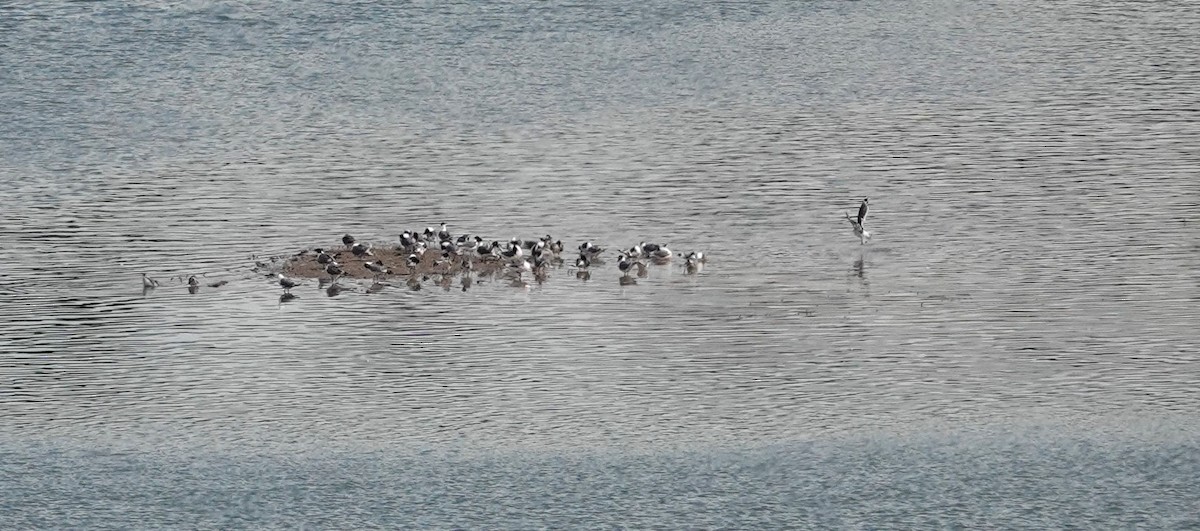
(1016, 347)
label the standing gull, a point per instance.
(287, 283)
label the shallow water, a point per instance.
(1022, 322)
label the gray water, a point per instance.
(1016, 346)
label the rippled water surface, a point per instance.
(1017, 345)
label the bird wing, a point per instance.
(862, 212)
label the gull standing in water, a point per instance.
(863, 234)
(693, 262)
(287, 284)
(334, 269)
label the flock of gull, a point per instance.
(437, 254)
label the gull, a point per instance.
(514, 251)
(334, 269)
(408, 240)
(660, 255)
(857, 224)
(347, 240)
(360, 250)
(148, 283)
(376, 267)
(287, 283)
(624, 263)
(591, 251)
(693, 262)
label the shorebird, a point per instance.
(287, 283)
(444, 234)
(582, 262)
(360, 250)
(857, 224)
(334, 269)
(347, 240)
(323, 257)
(148, 283)
(192, 282)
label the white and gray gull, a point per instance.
(857, 224)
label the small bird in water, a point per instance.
(625, 264)
(287, 283)
(857, 224)
(693, 262)
(148, 283)
(661, 255)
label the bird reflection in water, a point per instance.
(333, 290)
(286, 297)
(860, 269)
